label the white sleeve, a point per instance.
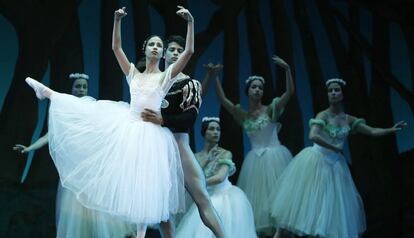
(167, 82)
(131, 73)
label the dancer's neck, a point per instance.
(208, 146)
(255, 105)
(152, 66)
(336, 108)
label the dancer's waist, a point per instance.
(220, 186)
(330, 155)
(136, 113)
(324, 150)
(268, 145)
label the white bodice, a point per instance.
(261, 131)
(335, 129)
(145, 93)
(147, 90)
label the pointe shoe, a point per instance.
(41, 90)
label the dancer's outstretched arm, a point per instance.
(290, 88)
(42, 141)
(117, 41)
(182, 61)
(373, 131)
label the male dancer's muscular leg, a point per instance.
(167, 229)
(195, 184)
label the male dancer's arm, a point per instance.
(179, 121)
(183, 119)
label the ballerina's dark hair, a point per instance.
(206, 121)
(146, 42)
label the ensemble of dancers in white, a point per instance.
(124, 167)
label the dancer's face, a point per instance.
(256, 90)
(335, 94)
(174, 51)
(80, 87)
(154, 48)
(212, 134)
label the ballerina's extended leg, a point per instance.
(41, 90)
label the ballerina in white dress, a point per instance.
(106, 154)
(316, 195)
(229, 201)
(267, 159)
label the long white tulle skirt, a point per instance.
(233, 208)
(317, 196)
(260, 171)
(75, 220)
(113, 161)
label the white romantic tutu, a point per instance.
(233, 208)
(113, 161)
(260, 171)
(75, 220)
(316, 196)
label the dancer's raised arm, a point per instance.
(211, 72)
(117, 41)
(227, 104)
(189, 42)
(290, 88)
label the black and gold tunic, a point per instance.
(184, 100)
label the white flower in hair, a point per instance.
(255, 77)
(336, 80)
(210, 119)
(78, 75)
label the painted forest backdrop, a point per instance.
(368, 43)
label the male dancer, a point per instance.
(184, 100)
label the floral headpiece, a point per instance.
(206, 119)
(336, 80)
(78, 75)
(255, 77)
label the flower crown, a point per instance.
(78, 75)
(255, 77)
(206, 119)
(335, 80)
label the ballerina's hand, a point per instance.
(20, 148)
(185, 14)
(213, 69)
(398, 126)
(120, 13)
(216, 153)
(279, 61)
